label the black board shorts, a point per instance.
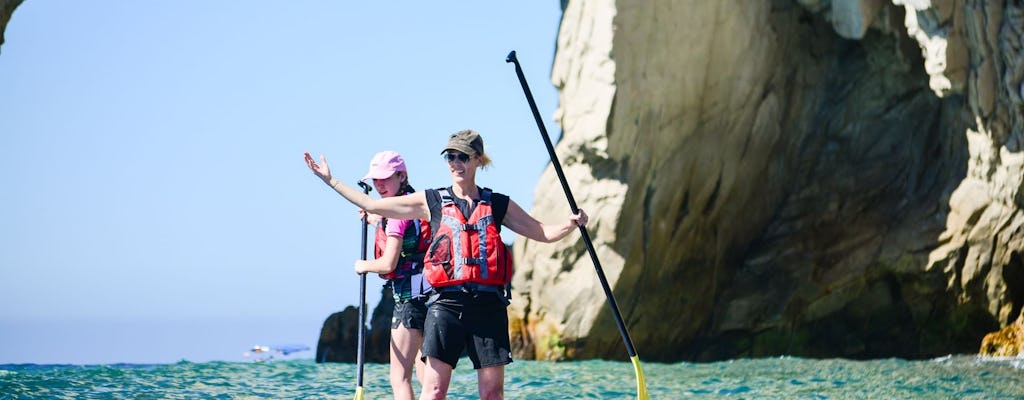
(411, 314)
(476, 323)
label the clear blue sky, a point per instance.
(155, 206)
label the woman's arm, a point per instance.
(387, 260)
(522, 223)
(411, 206)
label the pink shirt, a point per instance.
(396, 227)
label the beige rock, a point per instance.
(760, 184)
(1008, 342)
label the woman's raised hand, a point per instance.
(321, 170)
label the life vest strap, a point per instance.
(416, 257)
(470, 287)
(503, 292)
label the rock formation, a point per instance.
(1008, 342)
(6, 9)
(804, 177)
(338, 337)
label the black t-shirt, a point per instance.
(499, 205)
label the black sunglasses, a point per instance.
(452, 156)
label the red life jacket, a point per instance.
(467, 250)
(415, 241)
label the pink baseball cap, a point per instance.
(385, 164)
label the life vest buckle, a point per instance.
(475, 260)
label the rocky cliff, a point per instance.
(802, 177)
(6, 9)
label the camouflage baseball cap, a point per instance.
(467, 141)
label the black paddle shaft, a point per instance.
(362, 298)
(572, 204)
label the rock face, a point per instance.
(339, 335)
(803, 177)
(6, 9)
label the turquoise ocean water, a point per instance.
(959, 377)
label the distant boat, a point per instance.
(265, 353)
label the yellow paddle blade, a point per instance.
(359, 393)
(641, 386)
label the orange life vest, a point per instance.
(467, 250)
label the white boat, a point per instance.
(260, 353)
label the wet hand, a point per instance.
(580, 219)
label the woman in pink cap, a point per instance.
(399, 246)
(467, 263)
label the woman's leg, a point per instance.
(405, 349)
(443, 342)
(420, 365)
(436, 378)
(491, 382)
